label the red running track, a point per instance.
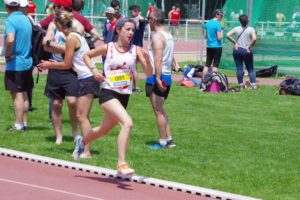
(21, 179)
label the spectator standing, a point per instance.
(150, 9)
(138, 38)
(18, 72)
(117, 6)
(88, 27)
(24, 5)
(161, 52)
(122, 57)
(61, 84)
(172, 10)
(76, 47)
(245, 38)
(174, 19)
(109, 27)
(213, 32)
(31, 8)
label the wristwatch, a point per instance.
(48, 43)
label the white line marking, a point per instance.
(135, 178)
(50, 189)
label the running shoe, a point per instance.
(14, 128)
(79, 148)
(157, 146)
(171, 144)
(123, 169)
(136, 90)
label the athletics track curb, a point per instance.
(200, 191)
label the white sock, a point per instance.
(25, 123)
(76, 137)
(19, 126)
(169, 138)
(163, 142)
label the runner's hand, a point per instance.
(161, 84)
(98, 76)
(146, 56)
(44, 65)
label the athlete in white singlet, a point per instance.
(121, 59)
(158, 86)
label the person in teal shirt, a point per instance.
(18, 74)
(213, 32)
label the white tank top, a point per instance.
(79, 66)
(59, 38)
(118, 69)
(168, 54)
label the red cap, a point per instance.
(63, 3)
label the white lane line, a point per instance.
(50, 189)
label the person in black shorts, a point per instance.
(88, 86)
(213, 32)
(161, 51)
(18, 76)
(121, 60)
(61, 84)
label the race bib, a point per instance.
(119, 80)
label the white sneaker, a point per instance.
(79, 148)
(123, 169)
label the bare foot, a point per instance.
(58, 140)
(86, 156)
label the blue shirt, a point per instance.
(18, 24)
(212, 28)
(108, 31)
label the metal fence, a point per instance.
(188, 29)
(273, 39)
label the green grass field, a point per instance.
(245, 143)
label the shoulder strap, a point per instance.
(79, 37)
(241, 33)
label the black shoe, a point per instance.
(170, 144)
(13, 128)
(136, 90)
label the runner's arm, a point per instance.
(143, 58)
(10, 40)
(68, 59)
(229, 36)
(158, 46)
(95, 35)
(87, 58)
(53, 47)
(253, 36)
